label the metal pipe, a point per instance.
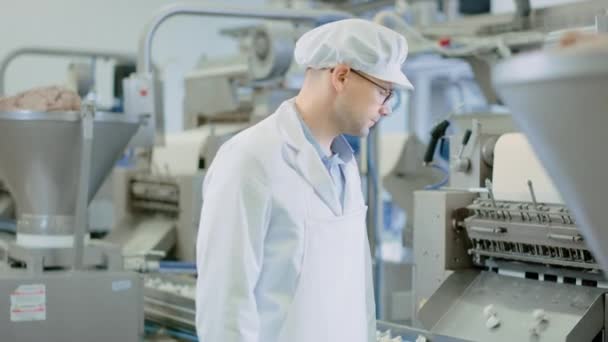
(57, 52)
(522, 8)
(374, 221)
(87, 117)
(144, 64)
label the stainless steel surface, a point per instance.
(443, 297)
(80, 306)
(408, 333)
(59, 52)
(457, 308)
(440, 244)
(593, 320)
(557, 98)
(96, 254)
(40, 154)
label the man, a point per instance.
(282, 249)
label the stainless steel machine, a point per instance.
(494, 263)
(498, 255)
(514, 249)
(157, 215)
(56, 284)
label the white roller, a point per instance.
(514, 164)
(47, 241)
(391, 148)
(273, 45)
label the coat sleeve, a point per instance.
(234, 220)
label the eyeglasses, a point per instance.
(387, 91)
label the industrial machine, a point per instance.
(475, 250)
(247, 86)
(513, 249)
(56, 284)
(82, 77)
(498, 255)
(156, 213)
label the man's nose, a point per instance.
(385, 110)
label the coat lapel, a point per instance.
(353, 195)
(302, 157)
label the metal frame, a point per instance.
(144, 63)
(57, 52)
(144, 59)
(65, 116)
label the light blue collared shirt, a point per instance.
(342, 153)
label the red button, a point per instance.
(444, 42)
(143, 92)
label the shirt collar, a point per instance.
(341, 149)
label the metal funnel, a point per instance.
(559, 99)
(40, 162)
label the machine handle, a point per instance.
(436, 133)
(466, 137)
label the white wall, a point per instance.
(502, 6)
(106, 24)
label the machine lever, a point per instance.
(436, 133)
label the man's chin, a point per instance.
(364, 132)
(361, 132)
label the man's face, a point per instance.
(361, 104)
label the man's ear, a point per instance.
(339, 77)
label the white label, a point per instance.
(28, 303)
(121, 285)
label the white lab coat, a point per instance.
(278, 259)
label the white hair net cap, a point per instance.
(363, 45)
